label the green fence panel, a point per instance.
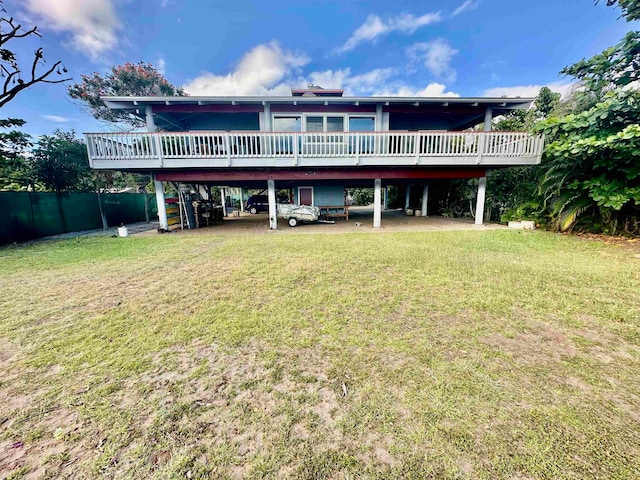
(27, 215)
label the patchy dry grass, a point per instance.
(407, 355)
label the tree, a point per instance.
(590, 174)
(593, 164)
(630, 8)
(15, 80)
(546, 102)
(59, 163)
(137, 79)
(13, 150)
(512, 192)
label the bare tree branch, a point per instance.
(10, 68)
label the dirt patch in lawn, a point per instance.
(541, 344)
(193, 404)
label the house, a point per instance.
(315, 142)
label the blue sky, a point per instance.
(429, 48)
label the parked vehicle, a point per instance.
(257, 203)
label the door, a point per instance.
(305, 195)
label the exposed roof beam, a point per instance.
(168, 118)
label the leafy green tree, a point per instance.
(13, 151)
(546, 102)
(130, 79)
(512, 192)
(630, 8)
(590, 175)
(593, 163)
(18, 74)
(59, 163)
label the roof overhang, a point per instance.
(496, 103)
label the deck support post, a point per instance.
(377, 201)
(273, 207)
(241, 199)
(407, 197)
(385, 204)
(162, 208)
(482, 187)
(482, 181)
(425, 201)
(488, 116)
(223, 200)
(148, 114)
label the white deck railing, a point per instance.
(202, 148)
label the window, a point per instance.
(287, 124)
(315, 124)
(335, 124)
(362, 124)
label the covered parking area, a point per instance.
(336, 179)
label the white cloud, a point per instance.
(564, 88)
(431, 90)
(436, 56)
(375, 27)
(467, 5)
(261, 71)
(56, 118)
(93, 24)
(268, 69)
(161, 65)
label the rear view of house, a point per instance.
(315, 143)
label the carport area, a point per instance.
(325, 188)
(360, 221)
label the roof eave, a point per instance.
(495, 102)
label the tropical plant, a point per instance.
(592, 162)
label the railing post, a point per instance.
(158, 146)
(481, 145)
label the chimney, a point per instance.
(316, 91)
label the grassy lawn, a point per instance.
(496, 354)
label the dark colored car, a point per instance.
(257, 203)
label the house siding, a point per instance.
(323, 193)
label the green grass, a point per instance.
(494, 354)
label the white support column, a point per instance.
(407, 197)
(425, 201)
(482, 187)
(377, 200)
(267, 117)
(488, 116)
(378, 121)
(482, 181)
(151, 124)
(273, 207)
(241, 199)
(223, 200)
(162, 208)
